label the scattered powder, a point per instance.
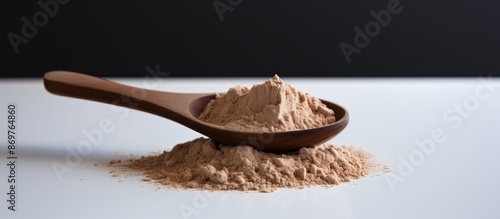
(269, 107)
(114, 161)
(202, 164)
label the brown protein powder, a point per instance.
(270, 107)
(202, 164)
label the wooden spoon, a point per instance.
(185, 108)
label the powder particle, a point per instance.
(112, 162)
(270, 107)
(202, 164)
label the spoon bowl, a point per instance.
(185, 108)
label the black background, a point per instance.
(257, 38)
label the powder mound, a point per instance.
(202, 164)
(269, 107)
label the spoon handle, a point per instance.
(169, 105)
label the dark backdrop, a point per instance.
(255, 38)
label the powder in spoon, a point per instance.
(269, 107)
(202, 164)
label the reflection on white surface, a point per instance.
(458, 179)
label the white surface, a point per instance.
(459, 179)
